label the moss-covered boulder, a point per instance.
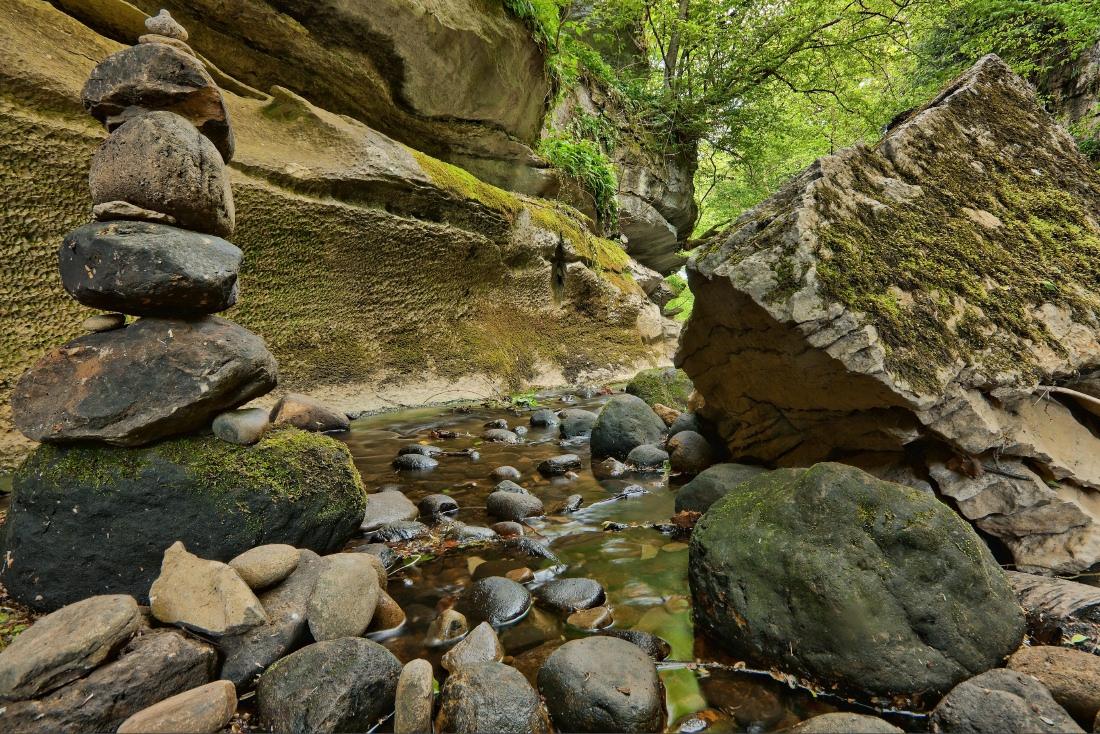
(919, 291)
(831, 573)
(662, 386)
(87, 520)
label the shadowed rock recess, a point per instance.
(900, 307)
(370, 267)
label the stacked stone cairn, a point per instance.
(124, 412)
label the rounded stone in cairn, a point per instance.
(163, 24)
(160, 162)
(158, 76)
(147, 269)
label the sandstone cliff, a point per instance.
(369, 264)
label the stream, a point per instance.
(643, 571)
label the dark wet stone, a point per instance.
(653, 645)
(333, 686)
(591, 619)
(842, 722)
(147, 269)
(508, 529)
(602, 684)
(495, 600)
(449, 626)
(490, 697)
(308, 414)
(544, 418)
(460, 531)
(250, 653)
(414, 462)
(532, 547)
(609, 468)
(381, 551)
(513, 506)
(498, 567)
(624, 423)
(505, 472)
(481, 645)
(386, 508)
(713, 484)
(160, 162)
(497, 423)
(569, 595)
(396, 532)
(437, 504)
(690, 453)
(557, 466)
(687, 421)
(156, 77)
(576, 423)
(648, 457)
(509, 486)
(533, 630)
(421, 449)
(500, 435)
(520, 431)
(1000, 700)
(136, 385)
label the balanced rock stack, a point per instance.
(95, 507)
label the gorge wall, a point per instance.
(371, 265)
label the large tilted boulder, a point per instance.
(89, 520)
(834, 574)
(922, 290)
(133, 386)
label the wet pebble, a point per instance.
(396, 532)
(647, 457)
(500, 435)
(509, 486)
(414, 462)
(388, 617)
(592, 619)
(490, 697)
(557, 466)
(448, 627)
(570, 595)
(496, 600)
(461, 531)
(508, 529)
(480, 646)
(384, 508)
(437, 504)
(651, 644)
(513, 506)
(520, 575)
(505, 472)
(414, 699)
(576, 423)
(544, 418)
(420, 449)
(498, 423)
(690, 453)
(381, 551)
(609, 468)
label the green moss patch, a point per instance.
(666, 386)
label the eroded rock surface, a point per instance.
(923, 290)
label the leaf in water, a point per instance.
(674, 547)
(472, 563)
(1078, 639)
(648, 551)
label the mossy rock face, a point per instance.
(89, 520)
(663, 385)
(831, 573)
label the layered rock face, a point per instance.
(370, 266)
(1074, 90)
(900, 308)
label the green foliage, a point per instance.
(583, 161)
(682, 304)
(542, 18)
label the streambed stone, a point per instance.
(513, 505)
(624, 423)
(713, 484)
(266, 565)
(344, 597)
(302, 411)
(1000, 700)
(384, 508)
(414, 699)
(147, 269)
(490, 697)
(496, 600)
(576, 423)
(244, 426)
(570, 595)
(203, 710)
(480, 646)
(557, 466)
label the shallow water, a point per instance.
(643, 571)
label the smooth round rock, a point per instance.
(422, 449)
(385, 508)
(690, 453)
(397, 532)
(624, 423)
(609, 468)
(500, 435)
(203, 710)
(266, 565)
(602, 684)
(520, 575)
(137, 385)
(453, 529)
(505, 472)
(495, 600)
(163, 24)
(103, 322)
(388, 617)
(844, 723)
(713, 484)
(344, 599)
(480, 646)
(508, 485)
(244, 426)
(557, 466)
(779, 571)
(341, 685)
(686, 421)
(66, 645)
(513, 506)
(1000, 700)
(1071, 676)
(496, 423)
(544, 418)
(590, 619)
(448, 627)
(158, 76)
(490, 697)
(414, 699)
(508, 529)
(576, 423)
(570, 595)
(147, 269)
(308, 414)
(386, 556)
(651, 644)
(301, 489)
(437, 504)
(159, 161)
(649, 457)
(414, 463)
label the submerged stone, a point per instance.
(88, 520)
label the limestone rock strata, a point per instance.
(909, 299)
